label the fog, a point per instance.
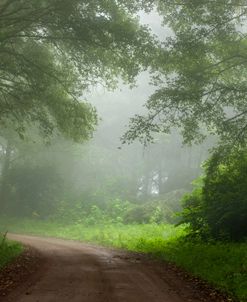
(129, 183)
(123, 159)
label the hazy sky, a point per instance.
(154, 21)
(130, 101)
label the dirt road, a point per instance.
(76, 272)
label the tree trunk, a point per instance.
(4, 182)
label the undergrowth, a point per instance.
(8, 250)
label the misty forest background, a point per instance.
(124, 123)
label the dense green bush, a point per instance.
(89, 213)
(161, 210)
(116, 210)
(217, 208)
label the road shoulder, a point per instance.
(20, 271)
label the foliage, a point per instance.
(32, 190)
(52, 51)
(201, 85)
(90, 211)
(116, 234)
(218, 208)
(66, 181)
(8, 251)
(109, 212)
(159, 210)
(221, 264)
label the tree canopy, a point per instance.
(201, 81)
(52, 51)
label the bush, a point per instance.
(217, 208)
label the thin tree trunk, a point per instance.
(4, 174)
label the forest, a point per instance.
(123, 124)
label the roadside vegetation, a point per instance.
(8, 251)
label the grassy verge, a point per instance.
(8, 251)
(222, 264)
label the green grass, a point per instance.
(8, 251)
(224, 265)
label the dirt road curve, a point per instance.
(76, 272)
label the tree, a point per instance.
(51, 51)
(202, 74)
(32, 190)
(217, 208)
